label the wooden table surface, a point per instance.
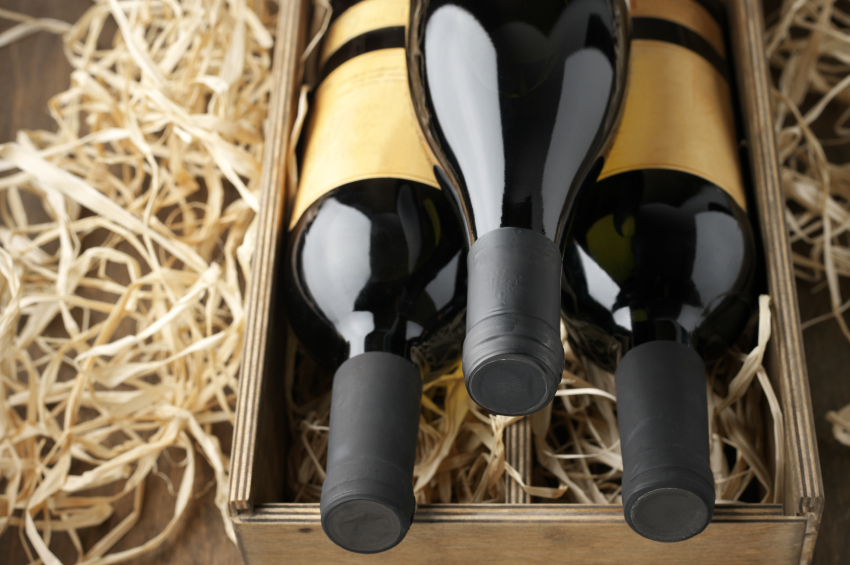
(34, 69)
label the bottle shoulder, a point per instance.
(660, 254)
(375, 265)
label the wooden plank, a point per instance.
(518, 446)
(294, 513)
(805, 494)
(510, 534)
(262, 336)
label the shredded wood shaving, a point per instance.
(126, 240)
(808, 45)
(841, 424)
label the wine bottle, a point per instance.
(659, 268)
(517, 101)
(376, 271)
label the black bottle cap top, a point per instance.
(669, 514)
(510, 385)
(364, 526)
(513, 356)
(367, 502)
(668, 487)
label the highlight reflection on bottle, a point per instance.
(517, 101)
(660, 265)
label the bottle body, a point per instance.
(517, 102)
(375, 271)
(659, 266)
(660, 247)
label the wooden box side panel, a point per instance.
(502, 534)
(256, 419)
(786, 360)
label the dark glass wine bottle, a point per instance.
(376, 272)
(659, 268)
(517, 101)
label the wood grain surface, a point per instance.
(502, 534)
(34, 69)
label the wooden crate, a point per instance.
(272, 532)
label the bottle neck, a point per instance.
(367, 332)
(645, 331)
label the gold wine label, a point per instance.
(677, 115)
(362, 126)
(364, 16)
(683, 12)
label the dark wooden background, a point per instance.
(34, 69)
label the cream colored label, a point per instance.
(362, 127)
(678, 115)
(364, 16)
(683, 12)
